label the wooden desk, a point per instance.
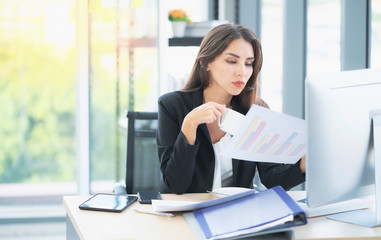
(129, 224)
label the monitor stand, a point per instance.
(343, 206)
(367, 217)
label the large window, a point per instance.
(272, 45)
(103, 89)
(323, 36)
(37, 94)
(123, 76)
(376, 34)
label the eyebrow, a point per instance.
(235, 55)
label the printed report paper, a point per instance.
(268, 136)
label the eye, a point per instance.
(249, 64)
(231, 61)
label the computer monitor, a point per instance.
(340, 112)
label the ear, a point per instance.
(203, 65)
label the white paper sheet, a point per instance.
(268, 136)
(175, 206)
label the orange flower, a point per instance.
(178, 15)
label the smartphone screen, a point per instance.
(107, 202)
(146, 197)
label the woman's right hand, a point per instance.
(205, 113)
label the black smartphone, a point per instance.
(146, 197)
(107, 202)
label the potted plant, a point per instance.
(179, 20)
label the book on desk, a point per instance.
(249, 214)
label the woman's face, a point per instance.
(231, 70)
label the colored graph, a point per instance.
(264, 144)
(268, 136)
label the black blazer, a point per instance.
(190, 168)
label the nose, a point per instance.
(241, 69)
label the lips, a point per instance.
(239, 83)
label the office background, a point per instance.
(69, 71)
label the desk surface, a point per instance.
(133, 225)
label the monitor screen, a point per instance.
(340, 153)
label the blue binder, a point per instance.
(272, 209)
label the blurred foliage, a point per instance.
(38, 91)
(37, 95)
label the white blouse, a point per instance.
(223, 165)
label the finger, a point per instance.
(218, 112)
(208, 112)
(214, 114)
(220, 107)
(211, 115)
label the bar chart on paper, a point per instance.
(268, 136)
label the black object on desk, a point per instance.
(146, 197)
(107, 202)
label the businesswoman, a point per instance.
(224, 75)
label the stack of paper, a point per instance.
(241, 215)
(272, 208)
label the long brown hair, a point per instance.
(213, 44)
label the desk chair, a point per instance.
(142, 163)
